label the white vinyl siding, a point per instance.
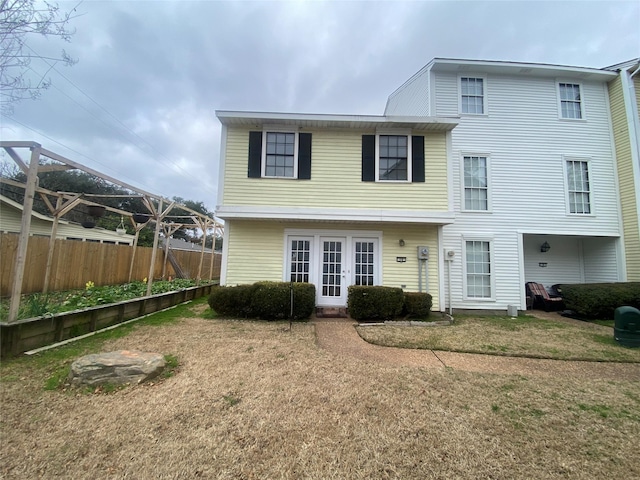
(476, 186)
(528, 192)
(412, 98)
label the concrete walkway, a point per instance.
(339, 336)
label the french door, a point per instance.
(333, 282)
(333, 261)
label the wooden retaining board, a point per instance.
(31, 333)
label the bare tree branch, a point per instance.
(19, 20)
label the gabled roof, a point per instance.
(634, 62)
(509, 68)
(313, 120)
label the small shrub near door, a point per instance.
(233, 301)
(417, 305)
(375, 303)
(266, 300)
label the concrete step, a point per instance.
(331, 312)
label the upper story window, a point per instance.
(472, 95)
(279, 154)
(476, 187)
(578, 186)
(570, 101)
(393, 158)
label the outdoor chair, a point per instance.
(542, 298)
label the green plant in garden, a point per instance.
(38, 304)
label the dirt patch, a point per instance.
(255, 400)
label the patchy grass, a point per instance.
(255, 400)
(525, 336)
(57, 361)
(605, 323)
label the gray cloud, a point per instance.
(162, 68)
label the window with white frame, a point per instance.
(393, 157)
(578, 186)
(472, 95)
(478, 268)
(300, 259)
(570, 100)
(364, 262)
(476, 189)
(280, 154)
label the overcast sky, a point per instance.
(139, 104)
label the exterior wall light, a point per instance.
(545, 247)
(401, 242)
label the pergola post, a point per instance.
(159, 215)
(203, 225)
(25, 228)
(213, 250)
(135, 247)
(52, 246)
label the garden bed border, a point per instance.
(31, 333)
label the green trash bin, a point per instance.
(626, 328)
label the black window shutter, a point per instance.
(368, 158)
(255, 155)
(417, 159)
(304, 156)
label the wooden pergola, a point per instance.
(158, 210)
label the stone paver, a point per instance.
(339, 336)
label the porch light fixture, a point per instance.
(544, 248)
(401, 242)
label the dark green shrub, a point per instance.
(417, 305)
(304, 300)
(233, 301)
(599, 300)
(266, 300)
(375, 303)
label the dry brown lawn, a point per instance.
(526, 336)
(252, 400)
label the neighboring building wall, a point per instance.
(336, 177)
(11, 222)
(526, 144)
(628, 181)
(256, 251)
(600, 260)
(410, 98)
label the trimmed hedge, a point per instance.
(265, 300)
(599, 300)
(417, 305)
(375, 303)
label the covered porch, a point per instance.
(555, 259)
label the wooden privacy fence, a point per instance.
(75, 263)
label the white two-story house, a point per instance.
(533, 175)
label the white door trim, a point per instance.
(348, 237)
